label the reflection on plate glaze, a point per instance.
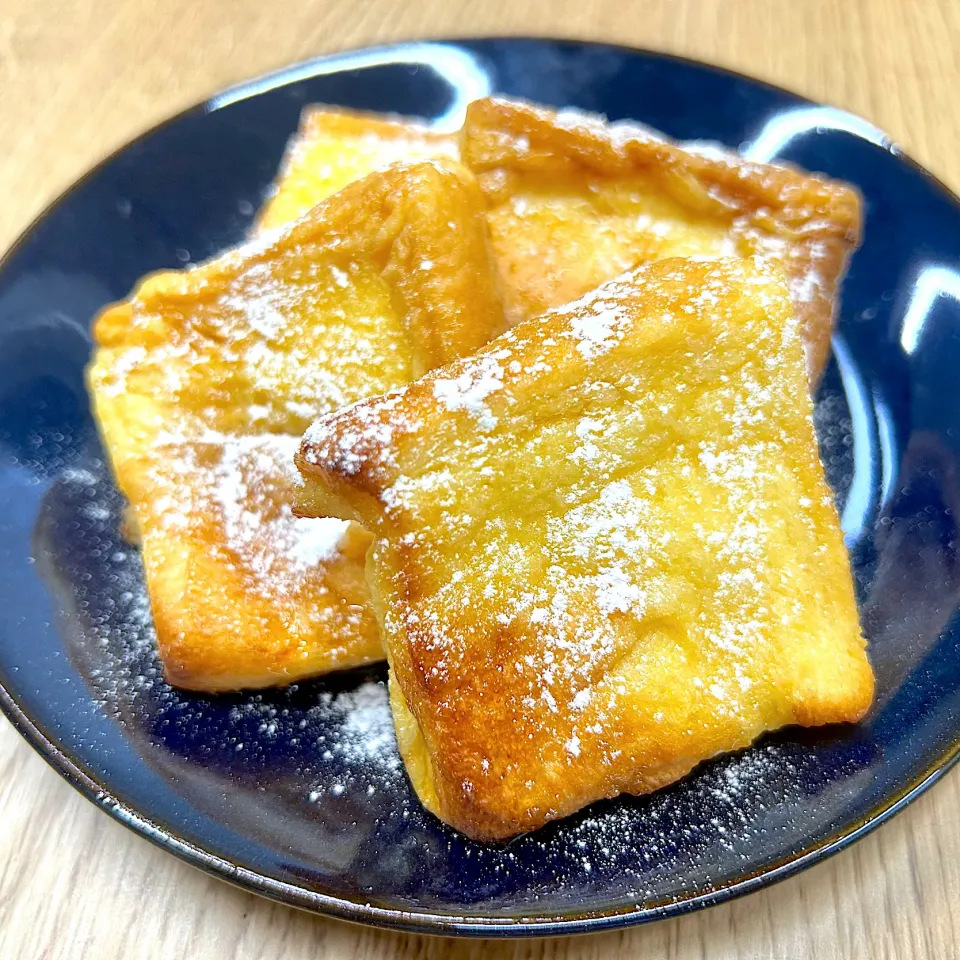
(933, 283)
(857, 510)
(789, 125)
(457, 67)
(889, 455)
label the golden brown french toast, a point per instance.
(604, 548)
(383, 281)
(574, 201)
(333, 148)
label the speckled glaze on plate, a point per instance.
(299, 794)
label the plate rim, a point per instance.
(424, 921)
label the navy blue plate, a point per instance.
(299, 794)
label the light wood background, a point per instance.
(78, 79)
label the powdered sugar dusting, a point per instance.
(317, 541)
(343, 737)
(321, 756)
(255, 342)
(357, 740)
(595, 332)
(248, 482)
(263, 314)
(619, 541)
(469, 390)
(599, 319)
(617, 593)
(325, 445)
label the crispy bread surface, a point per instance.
(333, 148)
(573, 201)
(203, 379)
(604, 548)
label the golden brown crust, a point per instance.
(234, 358)
(604, 549)
(333, 148)
(639, 198)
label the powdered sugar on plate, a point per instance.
(319, 762)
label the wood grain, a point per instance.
(80, 77)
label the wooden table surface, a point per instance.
(80, 77)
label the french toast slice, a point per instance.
(604, 548)
(574, 201)
(383, 281)
(333, 148)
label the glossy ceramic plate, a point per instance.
(299, 794)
